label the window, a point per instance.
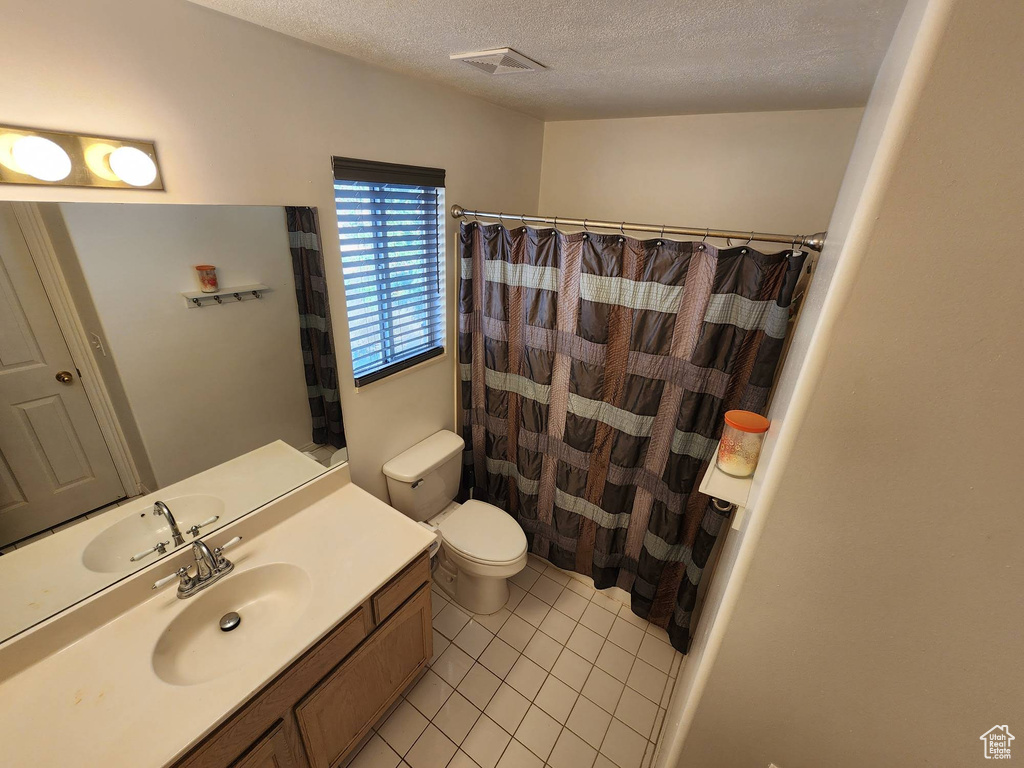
(391, 228)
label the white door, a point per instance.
(54, 464)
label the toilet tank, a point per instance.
(424, 479)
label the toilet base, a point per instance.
(476, 592)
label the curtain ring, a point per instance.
(522, 218)
(622, 230)
(707, 231)
(750, 238)
(585, 225)
(555, 225)
(500, 220)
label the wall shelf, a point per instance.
(734, 490)
(230, 295)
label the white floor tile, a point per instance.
(402, 729)
(556, 698)
(432, 750)
(572, 669)
(539, 564)
(376, 754)
(441, 644)
(538, 732)
(486, 742)
(601, 762)
(603, 689)
(571, 752)
(457, 717)
(588, 721)
(603, 600)
(585, 643)
(462, 760)
(532, 609)
(450, 621)
(546, 589)
(526, 677)
(479, 685)
(594, 618)
(659, 721)
(583, 590)
(636, 711)
(429, 694)
(507, 707)
(647, 680)
(515, 596)
(558, 626)
(623, 746)
(542, 650)
(656, 653)
(557, 574)
(525, 578)
(615, 661)
(626, 614)
(452, 665)
(571, 604)
(518, 756)
(492, 622)
(499, 657)
(625, 635)
(517, 632)
(473, 639)
(658, 632)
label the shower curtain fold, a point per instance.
(315, 331)
(595, 371)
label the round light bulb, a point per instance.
(41, 158)
(132, 166)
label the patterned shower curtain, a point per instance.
(595, 373)
(315, 327)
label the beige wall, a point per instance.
(202, 387)
(244, 116)
(879, 623)
(770, 171)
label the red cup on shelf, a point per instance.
(207, 274)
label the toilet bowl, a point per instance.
(481, 545)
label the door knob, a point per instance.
(64, 377)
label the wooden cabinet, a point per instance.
(315, 712)
(272, 751)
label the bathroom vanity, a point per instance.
(333, 589)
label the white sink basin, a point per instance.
(110, 550)
(193, 649)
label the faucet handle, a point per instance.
(194, 530)
(181, 574)
(160, 547)
(226, 544)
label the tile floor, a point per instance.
(562, 676)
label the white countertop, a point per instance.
(49, 575)
(97, 701)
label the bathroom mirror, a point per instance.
(138, 412)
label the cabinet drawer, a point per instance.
(276, 700)
(341, 710)
(398, 590)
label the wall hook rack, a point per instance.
(198, 300)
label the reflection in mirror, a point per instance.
(139, 407)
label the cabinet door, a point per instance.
(271, 752)
(339, 711)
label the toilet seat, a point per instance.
(483, 534)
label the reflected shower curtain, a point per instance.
(595, 373)
(315, 330)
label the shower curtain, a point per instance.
(595, 372)
(318, 358)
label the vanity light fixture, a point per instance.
(56, 158)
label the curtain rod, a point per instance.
(814, 242)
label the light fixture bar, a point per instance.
(35, 156)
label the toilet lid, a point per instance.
(483, 533)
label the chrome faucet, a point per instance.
(162, 509)
(210, 568)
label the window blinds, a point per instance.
(392, 251)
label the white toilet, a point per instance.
(481, 546)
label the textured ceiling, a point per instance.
(612, 58)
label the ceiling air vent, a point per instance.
(499, 61)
